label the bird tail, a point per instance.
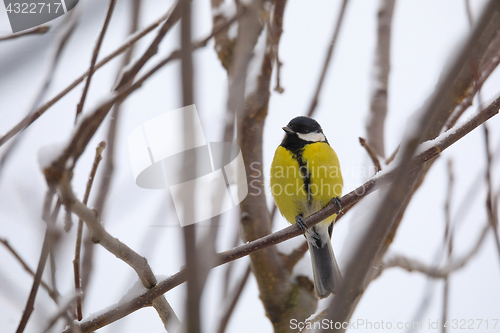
(327, 276)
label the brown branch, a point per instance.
(329, 54)
(78, 246)
(381, 69)
(371, 152)
(40, 30)
(490, 204)
(48, 242)
(31, 118)
(108, 167)
(60, 44)
(79, 107)
(230, 304)
(294, 257)
(414, 265)
(277, 237)
(53, 294)
(484, 74)
(448, 237)
(194, 285)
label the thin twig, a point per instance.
(492, 217)
(447, 235)
(48, 242)
(347, 200)
(78, 246)
(371, 153)
(326, 64)
(53, 294)
(61, 42)
(40, 30)
(109, 13)
(414, 265)
(230, 303)
(31, 118)
(109, 164)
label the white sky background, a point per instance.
(425, 34)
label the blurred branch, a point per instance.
(294, 257)
(414, 265)
(490, 204)
(108, 167)
(40, 30)
(53, 294)
(119, 249)
(467, 101)
(381, 68)
(371, 153)
(48, 242)
(29, 119)
(448, 235)
(194, 284)
(76, 261)
(329, 54)
(428, 124)
(347, 201)
(60, 44)
(91, 70)
(230, 303)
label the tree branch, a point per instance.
(381, 68)
(78, 246)
(329, 54)
(111, 7)
(40, 30)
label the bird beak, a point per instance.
(288, 130)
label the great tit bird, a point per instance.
(305, 177)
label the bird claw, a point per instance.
(336, 202)
(299, 220)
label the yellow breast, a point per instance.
(292, 192)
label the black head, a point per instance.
(303, 125)
(301, 131)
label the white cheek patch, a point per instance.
(312, 137)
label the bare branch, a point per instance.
(111, 7)
(414, 265)
(329, 54)
(60, 45)
(40, 30)
(230, 303)
(78, 246)
(48, 242)
(492, 217)
(381, 68)
(53, 294)
(371, 153)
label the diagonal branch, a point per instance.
(52, 293)
(328, 59)
(111, 7)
